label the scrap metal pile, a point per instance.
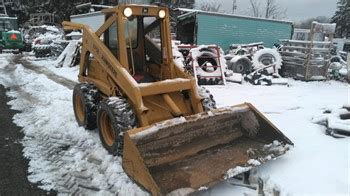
(252, 62)
(47, 41)
(336, 121)
(299, 59)
(338, 69)
(51, 42)
(205, 63)
(257, 64)
(307, 56)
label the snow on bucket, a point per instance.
(201, 150)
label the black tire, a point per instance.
(208, 102)
(336, 59)
(27, 47)
(86, 98)
(202, 81)
(205, 58)
(42, 51)
(243, 66)
(114, 117)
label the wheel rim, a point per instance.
(267, 59)
(240, 68)
(79, 108)
(106, 129)
(203, 62)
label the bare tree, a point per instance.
(274, 10)
(271, 9)
(255, 8)
(210, 6)
(234, 6)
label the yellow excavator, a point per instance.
(149, 110)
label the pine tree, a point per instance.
(342, 18)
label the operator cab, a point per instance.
(143, 34)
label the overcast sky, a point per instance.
(296, 9)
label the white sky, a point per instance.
(296, 9)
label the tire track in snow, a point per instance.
(63, 156)
(43, 70)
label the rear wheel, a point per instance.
(114, 117)
(85, 100)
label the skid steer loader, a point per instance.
(150, 111)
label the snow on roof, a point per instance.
(13, 31)
(74, 33)
(7, 17)
(87, 14)
(302, 30)
(195, 12)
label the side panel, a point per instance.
(226, 30)
(135, 167)
(94, 20)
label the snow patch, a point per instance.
(14, 31)
(3, 62)
(331, 119)
(181, 192)
(157, 127)
(235, 171)
(254, 162)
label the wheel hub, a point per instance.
(107, 129)
(80, 110)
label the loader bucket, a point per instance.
(201, 150)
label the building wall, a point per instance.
(226, 30)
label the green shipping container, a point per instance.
(224, 29)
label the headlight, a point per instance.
(127, 12)
(161, 14)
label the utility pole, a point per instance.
(234, 6)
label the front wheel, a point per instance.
(208, 101)
(114, 117)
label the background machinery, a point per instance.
(10, 38)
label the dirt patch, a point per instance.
(14, 167)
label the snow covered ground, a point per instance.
(318, 164)
(68, 158)
(62, 155)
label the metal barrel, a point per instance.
(201, 150)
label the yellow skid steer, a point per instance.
(149, 110)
